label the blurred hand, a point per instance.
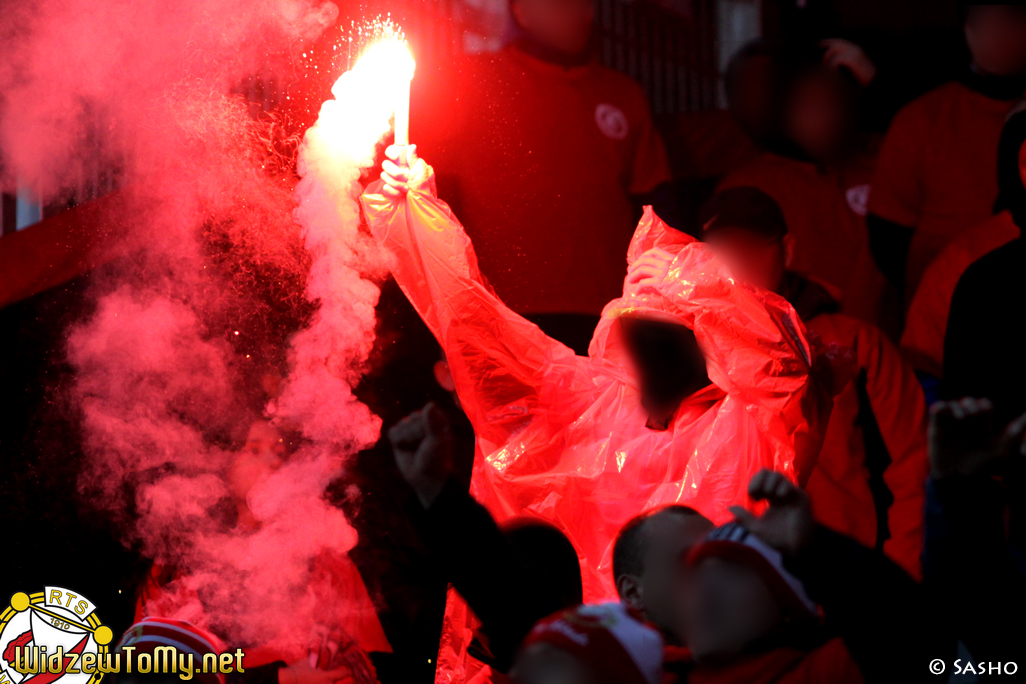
(650, 269)
(787, 524)
(964, 438)
(301, 672)
(844, 54)
(400, 179)
(422, 444)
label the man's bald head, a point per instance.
(648, 561)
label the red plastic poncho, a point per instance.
(564, 437)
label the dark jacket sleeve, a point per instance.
(475, 557)
(871, 603)
(963, 344)
(971, 570)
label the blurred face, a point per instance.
(669, 364)
(661, 587)
(755, 259)
(728, 608)
(996, 35)
(819, 117)
(261, 455)
(563, 25)
(751, 96)
(546, 664)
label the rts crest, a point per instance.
(47, 636)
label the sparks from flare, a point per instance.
(385, 59)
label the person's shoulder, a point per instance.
(1009, 254)
(970, 245)
(939, 97)
(994, 274)
(929, 106)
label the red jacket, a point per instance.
(874, 457)
(935, 173)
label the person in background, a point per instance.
(510, 579)
(982, 591)
(407, 371)
(751, 84)
(818, 170)
(648, 563)
(982, 344)
(756, 587)
(934, 176)
(868, 481)
(593, 644)
(523, 136)
(926, 321)
(705, 145)
(926, 324)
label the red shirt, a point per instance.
(706, 144)
(539, 162)
(937, 170)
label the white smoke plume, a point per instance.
(224, 256)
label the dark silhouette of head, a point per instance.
(549, 555)
(668, 361)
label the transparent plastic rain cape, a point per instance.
(563, 437)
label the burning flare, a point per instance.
(387, 66)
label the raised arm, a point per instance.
(504, 367)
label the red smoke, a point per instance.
(220, 303)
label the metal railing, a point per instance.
(672, 55)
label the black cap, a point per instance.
(743, 207)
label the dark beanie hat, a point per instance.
(743, 207)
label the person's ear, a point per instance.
(787, 244)
(628, 587)
(443, 376)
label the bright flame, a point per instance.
(351, 124)
(382, 77)
(389, 59)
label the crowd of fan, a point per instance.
(904, 546)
